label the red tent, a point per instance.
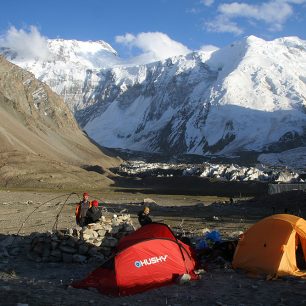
(148, 258)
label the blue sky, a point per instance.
(135, 26)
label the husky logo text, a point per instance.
(150, 261)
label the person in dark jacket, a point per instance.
(81, 209)
(93, 213)
(143, 216)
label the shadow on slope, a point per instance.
(189, 185)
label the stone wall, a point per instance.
(94, 242)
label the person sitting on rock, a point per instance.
(143, 216)
(93, 213)
(81, 209)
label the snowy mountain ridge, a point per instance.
(250, 95)
(67, 65)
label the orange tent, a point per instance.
(270, 246)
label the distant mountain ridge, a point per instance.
(250, 95)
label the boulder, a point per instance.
(67, 249)
(149, 202)
(79, 258)
(67, 258)
(83, 249)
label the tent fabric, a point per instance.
(270, 245)
(148, 231)
(103, 279)
(143, 262)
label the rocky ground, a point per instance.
(35, 283)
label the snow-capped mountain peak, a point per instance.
(92, 53)
(249, 95)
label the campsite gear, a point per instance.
(270, 246)
(201, 244)
(214, 236)
(148, 258)
(208, 240)
(225, 249)
(222, 250)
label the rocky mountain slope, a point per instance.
(248, 96)
(41, 143)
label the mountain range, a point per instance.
(247, 96)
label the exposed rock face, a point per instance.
(41, 109)
(39, 134)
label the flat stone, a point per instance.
(56, 253)
(98, 225)
(67, 249)
(34, 257)
(185, 278)
(93, 251)
(115, 229)
(99, 256)
(4, 252)
(86, 237)
(96, 242)
(107, 251)
(83, 249)
(110, 241)
(107, 228)
(79, 258)
(95, 226)
(67, 258)
(71, 242)
(38, 247)
(95, 234)
(126, 217)
(55, 238)
(46, 251)
(87, 231)
(149, 202)
(54, 259)
(101, 232)
(54, 245)
(129, 227)
(7, 241)
(42, 238)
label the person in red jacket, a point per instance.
(81, 210)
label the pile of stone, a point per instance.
(94, 242)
